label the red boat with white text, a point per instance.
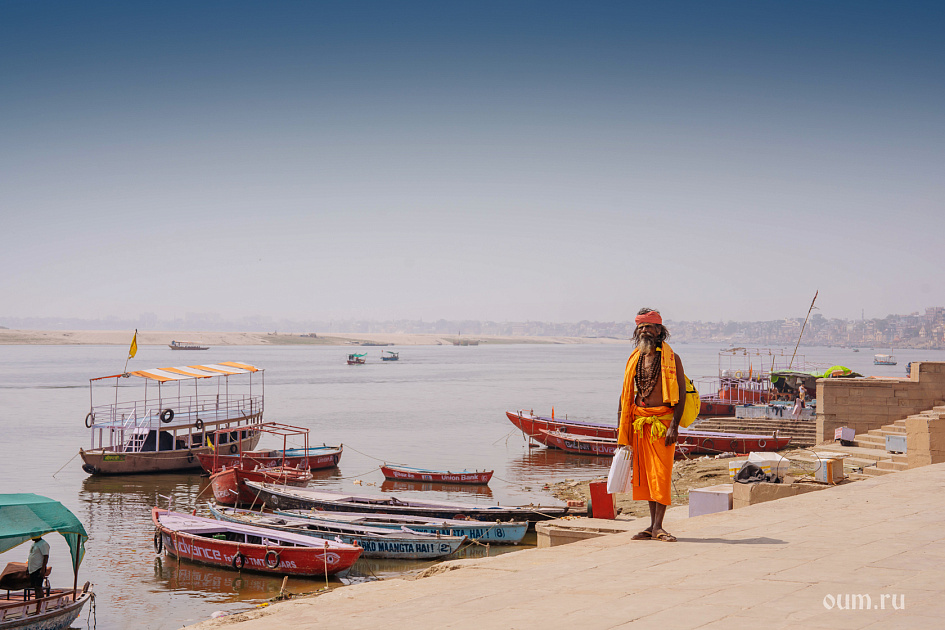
(229, 482)
(601, 447)
(405, 473)
(247, 547)
(319, 458)
(707, 442)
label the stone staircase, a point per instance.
(867, 457)
(802, 432)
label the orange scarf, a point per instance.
(670, 384)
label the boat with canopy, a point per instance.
(23, 517)
(141, 430)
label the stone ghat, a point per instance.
(802, 432)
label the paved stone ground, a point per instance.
(781, 564)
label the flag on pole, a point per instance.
(133, 350)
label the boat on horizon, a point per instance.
(186, 345)
(405, 473)
(23, 516)
(389, 355)
(248, 548)
(377, 542)
(167, 430)
(356, 359)
(884, 359)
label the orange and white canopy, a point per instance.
(189, 372)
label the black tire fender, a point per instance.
(89, 420)
(272, 559)
(239, 561)
(167, 415)
(198, 424)
(158, 541)
(233, 448)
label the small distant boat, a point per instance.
(356, 359)
(287, 497)
(884, 359)
(319, 458)
(23, 516)
(246, 547)
(405, 473)
(495, 533)
(186, 345)
(856, 349)
(389, 355)
(377, 542)
(599, 446)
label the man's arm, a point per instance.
(673, 432)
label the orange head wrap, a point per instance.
(653, 317)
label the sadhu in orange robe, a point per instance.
(643, 429)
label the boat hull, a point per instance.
(297, 560)
(599, 447)
(101, 461)
(318, 459)
(229, 485)
(276, 497)
(56, 616)
(531, 426)
(395, 473)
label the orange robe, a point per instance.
(644, 430)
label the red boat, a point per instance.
(405, 473)
(319, 457)
(237, 546)
(229, 484)
(708, 442)
(601, 447)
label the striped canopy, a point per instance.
(189, 372)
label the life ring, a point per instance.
(198, 424)
(167, 415)
(738, 374)
(734, 445)
(158, 541)
(762, 443)
(274, 562)
(233, 448)
(89, 420)
(239, 560)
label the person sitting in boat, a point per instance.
(650, 409)
(36, 564)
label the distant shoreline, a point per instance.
(160, 338)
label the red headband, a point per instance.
(653, 317)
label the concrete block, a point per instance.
(561, 532)
(710, 499)
(745, 494)
(936, 456)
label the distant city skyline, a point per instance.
(496, 161)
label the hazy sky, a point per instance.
(483, 160)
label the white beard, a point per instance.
(647, 345)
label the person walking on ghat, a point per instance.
(651, 406)
(799, 402)
(36, 564)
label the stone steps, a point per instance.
(802, 432)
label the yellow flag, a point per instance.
(133, 350)
(210, 445)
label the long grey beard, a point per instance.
(646, 345)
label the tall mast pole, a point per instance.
(816, 293)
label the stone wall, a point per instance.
(869, 403)
(925, 438)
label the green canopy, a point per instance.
(23, 516)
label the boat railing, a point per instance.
(128, 423)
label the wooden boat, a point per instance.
(229, 483)
(356, 359)
(884, 359)
(319, 457)
(376, 542)
(495, 533)
(246, 547)
(287, 497)
(389, 355)
(405, 473)
(186, 345)
(166, 431)
(475, 492)
(700, 442)
(601, 447)
(58, 607)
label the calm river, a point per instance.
(438, 407)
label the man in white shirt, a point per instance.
(36, 564)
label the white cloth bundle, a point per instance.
(620, 478)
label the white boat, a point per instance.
(148, 431)
(884, 359)
(58, 607)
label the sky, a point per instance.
(506, 161)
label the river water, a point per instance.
(438, 407)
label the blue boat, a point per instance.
(495, 533)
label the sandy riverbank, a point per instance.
(148, 338)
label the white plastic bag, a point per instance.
(620, 478)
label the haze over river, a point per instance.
(438, 407)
